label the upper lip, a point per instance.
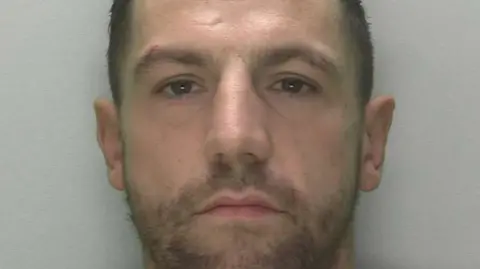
(239, 201)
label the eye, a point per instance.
(179, 88)
(294, 85)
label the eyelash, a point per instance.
(190, 79)
(162, 87)
(314, 87)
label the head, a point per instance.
(263, 103)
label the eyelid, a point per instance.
(289, 75)
(160, 86)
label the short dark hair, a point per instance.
(355, 22)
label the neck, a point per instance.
(344, 260)
(345, 253)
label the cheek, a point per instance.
(317, 158)
(160, 159)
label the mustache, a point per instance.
(223, 177)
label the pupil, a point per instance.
(292, 85)
(181, 87)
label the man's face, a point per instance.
(242, 142)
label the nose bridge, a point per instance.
(233, 105)
(238, 132)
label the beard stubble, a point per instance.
(310, 239)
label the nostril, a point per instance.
(249, 158)
(225, 162)
(247, 145)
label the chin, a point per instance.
(219, 236)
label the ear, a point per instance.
(109, 140)
(378, 119)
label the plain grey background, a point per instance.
(57, 210)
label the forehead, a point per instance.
(234, 10)
(235, 26)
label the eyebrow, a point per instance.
(316, 58)
(263, 58)
(157, 55)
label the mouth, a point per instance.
(238, 206)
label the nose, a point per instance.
(239, 133)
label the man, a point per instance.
(242, 131)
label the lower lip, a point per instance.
(241, 212)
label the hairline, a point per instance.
(351, 48)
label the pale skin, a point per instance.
(231, 62)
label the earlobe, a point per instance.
(378, 119)
(109, 140)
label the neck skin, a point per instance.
(345, 254)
